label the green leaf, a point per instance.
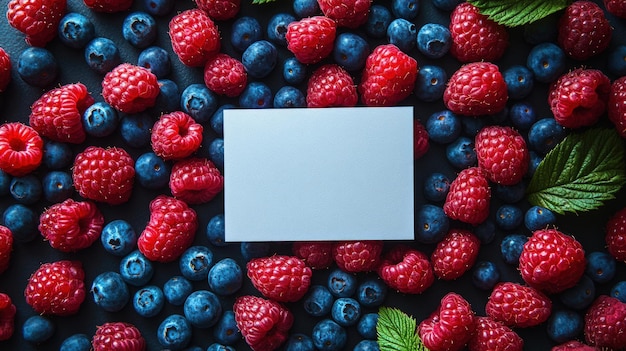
(397, 331)
(261, 2)
(580, 173)
(514, 13)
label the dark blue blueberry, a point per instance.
(519, 81)
(434, 40)
(542, 30)
(564, 325)
(156, 59)
(176, 290)
(136, 269)
(135, 129)
(294, 71)
(600, 266)
(485, 275)
(618, 291)
(110, 292)
(461, 153)
(216, 347)
(472, 125)
(350, 51)
(534, 161)
(538, 217)
(37, 329)
(436, 187)
(5, 182)
(100, 119)
(139, 29)
(151, 171)
(318, 301)
(216, 152)
(168, 99)
(341, 283)
(202, 309)
(199, 102)
(431, 224)
(511, 247)
(402, 33)
(407, 9)
(581, 295)
(245, 31)
(509, 217)
(195, 263)
(217, 120)
(500, 117)
(215, 230)
(306, 8)
(545, 134)
(22, 221)
(299, 341)
(148, 301)
(327, 335)
(118, 238)
(37, 67)
(57, 186)
(225, 277)
(76, 342)
(289, 96)
(430, 83)
(367, 345)
(158, 7)
(174, 332)
(76, 30)
(616, 63)
(260, 58)
(443, 127)
(378, 20)
(102, 55)
(250, 250)
(26, 190)
(212, 347)
(485, 231)
(546, 61)
(277, 28)
(367, 325)
(226, 331)
(510, 193)
(446, 5)
(256, 95)
(522, 115)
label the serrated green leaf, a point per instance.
(261, 2)
(580, 173)
(514, 13)
(397, 331)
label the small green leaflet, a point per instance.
(397, 331)
(580, 173)
(260, 2)
(514, 13)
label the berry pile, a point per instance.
(111, 175)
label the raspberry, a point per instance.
(219, 10)
(388, 77)
(407, 270)
(605, 323)
(311, 39)
(573, 345)
(616, 235)
(170, 230)
(502, 153)
(108, 6)
(176, 135)
(279, 277)
(71, 225)
(5, 70)
(225, 75)
(420, 139)
(316, 254)
(578, 98)
(469, 197)
(129, 88)
(331, 85)
(518, 305)
(195, 37)
(617, 105)
(57, 114)
(491, 335)
(476, 89)
(7, 317)
(474, 36)
(357, 256)
(450, 327)
(56, 288)
(346, 13)
(6, 245)
(264, 324)
(37, 19)
(21, 149)
(104, 175)
(584, 31)
(118, 336)
(552, 261)
(455, 254)
(616, 7)
(195, 180)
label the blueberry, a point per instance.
(366, 345)
(110, 292)
(431, 224)
(277, 28)
(76, 30)
(402, 33)
(202, 309)
(367, 325)
(436, 187)
(372, 292)
(256, 95)
(510, 193)
(22, 221)
(151, 171)
(327, 335)
(57, 155)
(299, 341)
(199, 102)
(37, 329)
(136, 269)
(118, 237)
(148, 301)
(407, 9)
(217, 347)
(538, 217)
(260, 58)
(289, 96)
(217, 120)
(430, 83)
(26, 190)
(176, 290)
(564, 325)
(306, 8)
(225, 277)
(216, 152)
(618, 291)
(485, 275)
(139, 29)
(215, 230)
(581, 295)
(100, 119)
(158, 7)
(57, 186)
(511, 247)
(174, 332)
(341, 283)
(378, 20)
(195, 263)
(443, 127)
(545, 134)
(546, 61)
(213, 347)
(472, 125)
(5, 182)
(226, 331)
(519, 81)
(245, 31)
(76, 342)
(446, 5)
(318, 301)
(600, 266)
(294, 71)
(135, 129)
(486, 231)
(168, 99)
(460, 153)
(617, 61)
(522, 115)
(157, 60)
(37, 67)
(434, 40)
(533, 162)
(102, 55)
(350, 51)
(509, 217)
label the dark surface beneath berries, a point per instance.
(15, 103)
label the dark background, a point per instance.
(26, 257)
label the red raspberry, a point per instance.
(7, 317)
(552, 261)
(502, 152)
(357, 256)
(584, 31)
(616, 7)
(279, 277)
(104, 175)
(616, 235)
(407, 270)
(316, 254)
(56, 288)
(225, 75)
(311, 39)
(195, 37)
(219, 10)
(170, 230)
(469, 197)
(71, 225)
(57, 114)
(264, 324)
(176, 135)
(5, 70)
(617, 105)
(476, 89)
(388, 77)
(450, 327)
(118, 336)
(331, 85)
(578, 98)
(195, 180)
(21, 149)
(605, 323)
(474, 36)
(455, 254)
(491, 335)
(518, 305)
(6, 245)
(129, 88)
(38, 19)
(420, 139)
(574, 345)
(347, 13)
(108, 6)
